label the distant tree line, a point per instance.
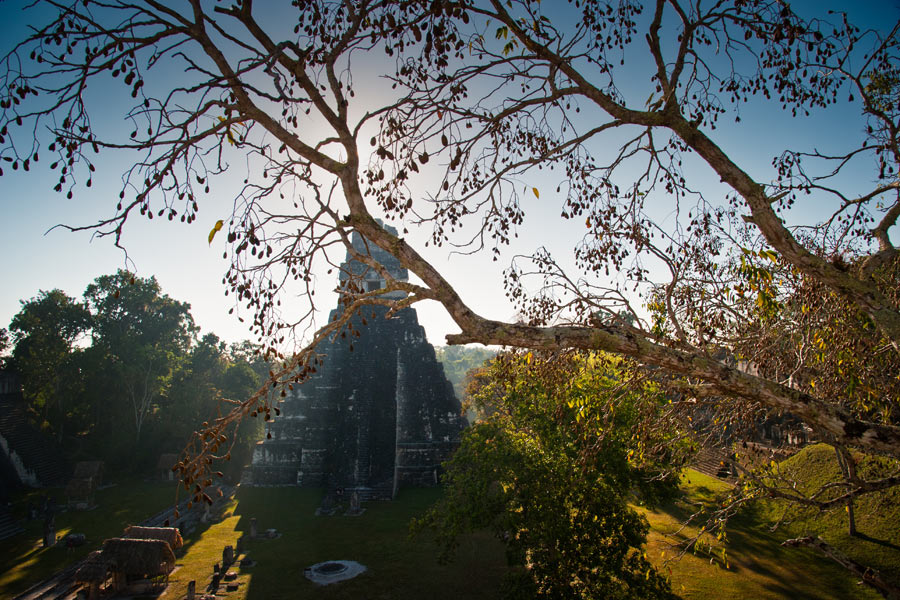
(459, 360)
(123, 375)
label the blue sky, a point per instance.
(38, 257)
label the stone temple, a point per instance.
(372, 419)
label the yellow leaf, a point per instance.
(216, 228)
(537, 194)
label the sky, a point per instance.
(37, 255)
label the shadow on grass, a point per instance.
(757, 564)
(873, 540)
(193, 537)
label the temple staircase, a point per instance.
(714, 462)
(8, 525)
(719, 463)
(37, 453)
(382, 491)
(363, 460)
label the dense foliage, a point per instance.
(551, 472)
(44, 334)
(121, 376)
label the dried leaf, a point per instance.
(216, 228)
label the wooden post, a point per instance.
(192, 589)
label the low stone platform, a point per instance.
(333, 571)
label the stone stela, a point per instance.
(371, 420)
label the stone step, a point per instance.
(36, 452)
(9, 527)
(377, 492)
(712, 462)
(58, 587)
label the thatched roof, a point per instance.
(80, 489)
(170, 535)
(140, 557)
(88, 468)
(94, 569)
(166, 461)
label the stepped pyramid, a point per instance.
(373, 419)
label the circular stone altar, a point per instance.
(333, 571)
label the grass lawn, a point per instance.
(23, 560)
(397, 566)
(758, 567)
(877, 543)
(400, 567)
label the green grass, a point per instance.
(877, 543)
(202, 549)
(398, 567)
(757, 566)
(23, 560)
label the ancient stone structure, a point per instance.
(377, 415)
(27, 456)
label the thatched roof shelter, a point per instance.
(140, 558)
(95, 568)
(170, 535)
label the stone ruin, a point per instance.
(333, 571)
(373, 418)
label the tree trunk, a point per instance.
(140, 402)
(848, 470)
